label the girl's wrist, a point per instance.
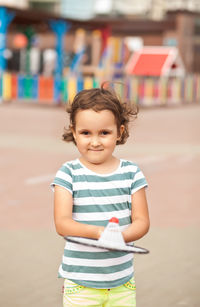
(99, 233)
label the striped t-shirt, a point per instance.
(96, 199)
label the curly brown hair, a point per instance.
(99, 99)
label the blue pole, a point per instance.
(60, 28)
(5, 19)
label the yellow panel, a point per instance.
(88, 83)
(72, 88)
(7, 90)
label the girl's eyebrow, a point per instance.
(106, 129)
(83, 129)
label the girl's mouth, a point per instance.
(95, 149)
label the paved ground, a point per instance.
(164, 142)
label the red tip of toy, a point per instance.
(114, 220)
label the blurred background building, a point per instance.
(85, 9)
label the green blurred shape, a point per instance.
(95, 83)
(28, 83)
(64, 91)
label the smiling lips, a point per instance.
(95, 149)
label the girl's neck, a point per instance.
(102, 168)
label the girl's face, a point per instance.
(96, 135)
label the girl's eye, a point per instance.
(105, 132)
(85, 132)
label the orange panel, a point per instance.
(46, 89)
(14, 86)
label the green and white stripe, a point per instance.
(97, 198)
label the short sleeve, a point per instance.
(63, 178)
(139, 181)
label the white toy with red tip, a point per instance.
(112, 234)
(110, 239)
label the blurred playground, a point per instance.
(46, 59)
(164, 142)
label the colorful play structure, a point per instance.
(150, 76)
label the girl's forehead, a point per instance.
(90, 116)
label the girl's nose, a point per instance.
(95, 141)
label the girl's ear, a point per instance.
(121, 131)
(73, 131)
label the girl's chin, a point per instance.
(93, 160)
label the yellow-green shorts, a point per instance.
(76, 295)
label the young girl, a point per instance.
(92, 189)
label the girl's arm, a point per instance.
(140, 217)
(65, 225)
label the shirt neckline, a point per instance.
(100, 174)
